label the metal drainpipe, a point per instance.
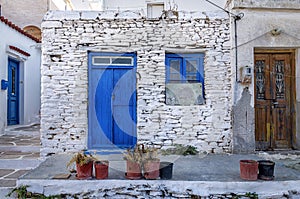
(236, 18)
(236, 50)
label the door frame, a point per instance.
(292, 52)
(18, 92)
(91, 103)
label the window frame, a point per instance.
(184, 58)
(199, 57)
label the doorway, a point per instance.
(274, 99)
(112, 100)
(13, 92)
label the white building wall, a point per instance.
(67, 38)
(29, 74)
(254, 31)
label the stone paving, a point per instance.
(19, 153)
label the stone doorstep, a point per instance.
(200, 188)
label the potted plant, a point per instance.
(84, 165)
(151, 163)
(133, 159)
(101, 169)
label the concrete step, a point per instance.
(24, 164)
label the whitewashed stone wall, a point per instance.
(67, 38)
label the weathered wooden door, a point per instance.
(274, 100)
(13, 92)
(112, 100)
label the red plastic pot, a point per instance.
(133, 170)
(101, 169)
(84, 171)
(248, 169)
(151, 169)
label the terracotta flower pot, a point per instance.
(85, 171)
(101, 169)
(133, 170)
(151, 169)
(248, 169)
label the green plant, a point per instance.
(180, 149)
(134, 154)
(22, 193)
(81, 159)
(247, 195)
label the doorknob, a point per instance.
(113, 97)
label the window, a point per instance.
(112, 60)
(184, 79)
(155, 10)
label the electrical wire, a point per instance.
(236, 16)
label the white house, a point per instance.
(112, 79)
(119, 78)
(266, 62)
(19, 75)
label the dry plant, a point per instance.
(81, 159)
(134, 154)
(150, 154)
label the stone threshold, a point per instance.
(198, 188)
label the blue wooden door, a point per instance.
(13, 92)
(112, 100)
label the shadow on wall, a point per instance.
(243, 125)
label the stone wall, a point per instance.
(163, 189)
(67, 38)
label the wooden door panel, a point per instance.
(281, 81)
(280, 130)
(273, 100)
(262, 106)
(262, 129)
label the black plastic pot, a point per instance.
(166, 170)
(266, 169)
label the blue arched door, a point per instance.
(112, 100)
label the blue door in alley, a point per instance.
(13, 92)
(112, 100)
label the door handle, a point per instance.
(113, 97)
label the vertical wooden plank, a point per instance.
(262, 94)
(282, 100)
